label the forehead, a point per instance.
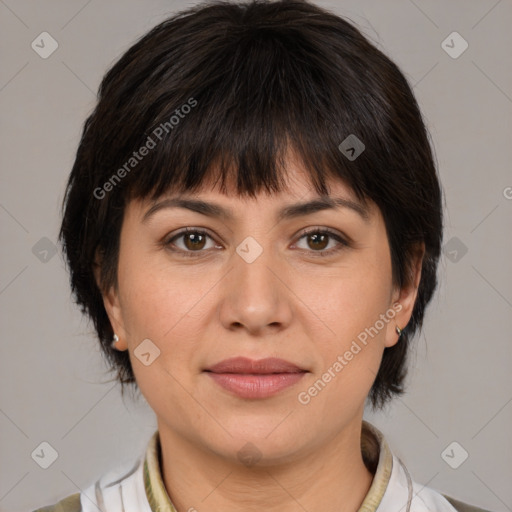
(297, 185)
(298, 198)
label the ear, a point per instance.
(404, 298)
(112, 305)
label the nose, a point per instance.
(255, 296)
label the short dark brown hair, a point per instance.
(224, 89)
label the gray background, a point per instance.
(53, 382)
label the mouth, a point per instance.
(244, 365)
(253, 379)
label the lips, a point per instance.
(255, 379)
(243, 365)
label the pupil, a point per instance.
(316, 237)
(194, 239)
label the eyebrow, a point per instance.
(288, 212)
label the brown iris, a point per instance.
(318, 238)
(194, 241)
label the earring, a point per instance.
(115, 339)
(398, 331)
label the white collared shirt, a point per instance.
(140, 488)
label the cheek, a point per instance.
(164, 305)
(352, 346)
(148, 307)
(160, 307)
(352, 300)
(152, 297)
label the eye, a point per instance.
(194, 240)
(318, 239)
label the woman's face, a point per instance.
(256, 286)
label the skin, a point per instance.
(288, 303)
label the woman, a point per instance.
(253, 222)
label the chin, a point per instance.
(262, 446)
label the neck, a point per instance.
(331, 477)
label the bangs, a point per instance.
(256, 98)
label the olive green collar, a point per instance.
(374, 448)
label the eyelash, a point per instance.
(343, 244)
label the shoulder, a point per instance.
(69, 504)
(402, 488)
(463, 507)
